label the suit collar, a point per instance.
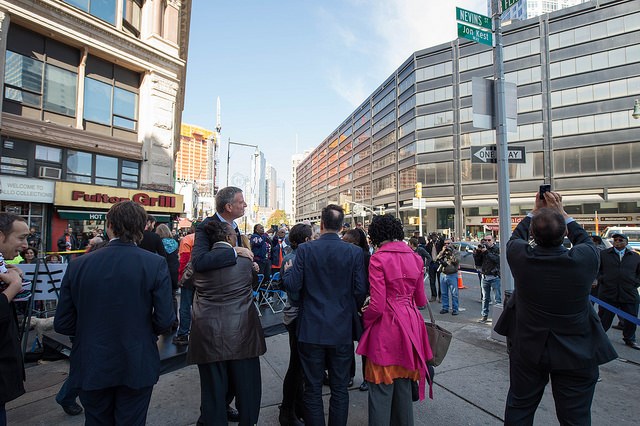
(118, 242)
(551, 250)
(329, 236)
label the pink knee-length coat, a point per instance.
(394, 331)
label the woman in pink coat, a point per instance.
(395, 339)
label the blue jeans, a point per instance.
(449, 283)
(314, 359)
(487, 285)
(186, 300)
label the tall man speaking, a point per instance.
(553, 330)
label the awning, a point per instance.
(480, 202)
(93, 215)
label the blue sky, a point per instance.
(296, 69)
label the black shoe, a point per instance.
(288, 417)
(72, 409)
(232, 414)
(433, 299)
(181, 340)
(454, 313)
(618, 326)
(444, 311)
(350, 382)
(483, 319)
(632, 344)
(364, 386)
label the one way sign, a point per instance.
(488, 154)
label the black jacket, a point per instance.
(550, 307)
(618, 281)
(11, 366)
(153, 243)
(488, 261)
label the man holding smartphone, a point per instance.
(553, 331)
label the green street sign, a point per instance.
(506, 4)
(475, 34)
(473, 18)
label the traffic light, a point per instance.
(419, 190)
(347, 208)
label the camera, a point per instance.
(482, 246)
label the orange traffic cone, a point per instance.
(460, 282)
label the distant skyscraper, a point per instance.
(271, 187)
(193, 160)
(525, 9)
(295, 160)
(280, 205)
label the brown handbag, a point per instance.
(439, 339)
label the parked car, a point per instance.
(632, 232)
(466, 254)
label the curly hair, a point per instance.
(128, 221)
(218, 231)
(299, 234)
(385, 228)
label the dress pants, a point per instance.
(391, 404)
(434, 279)
(293, 384)
(119, 405)
(66, 395)
(338, 358)
(215, 377)
(628, 328)
(572, 391)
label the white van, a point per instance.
(632, 232)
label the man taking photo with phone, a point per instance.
(552, 329)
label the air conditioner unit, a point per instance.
(49, 172)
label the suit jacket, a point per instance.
(11, 367)
(550, 305)
(329, 275)
(115, 301)
(153, 243)
(205, 259)
(618, 280)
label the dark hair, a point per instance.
(332, 217)
(358, 236)
(385, 228)
(23, 252)
(548, 227)
(299, 234)
(255, 227)
(151, 218)
(128, 221)
(413, 241)
(217, 231)
(6, 222)
(225, 196)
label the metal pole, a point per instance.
(228, 156)
(504, 212)
(420, 216)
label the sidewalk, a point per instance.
(470, 386)
(470, 389)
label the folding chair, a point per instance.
(256, 294)
(271, 296)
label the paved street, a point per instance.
(470, 386)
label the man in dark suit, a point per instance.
(329, 276)
(150, 240)
(230, 206)
(553, 331)
(115, 301)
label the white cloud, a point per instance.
(371, 38)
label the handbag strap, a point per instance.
(433, 320)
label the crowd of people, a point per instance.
(343, 286)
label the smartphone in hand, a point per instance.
(543, 189)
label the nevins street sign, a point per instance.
(475, 34)
(489, 154)
(473, 18)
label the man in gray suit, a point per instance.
(553, 330)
